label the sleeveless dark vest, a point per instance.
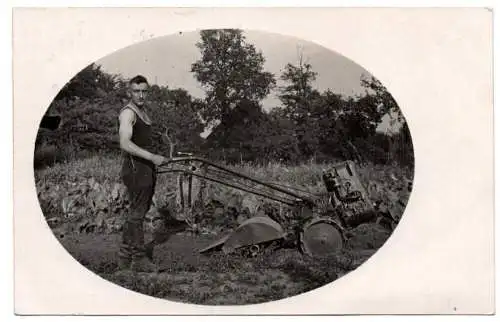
(134, 166)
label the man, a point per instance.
(138, 174)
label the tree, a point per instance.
(298, 98)
(230, 70)
(173, 109)
(398, 146)
(382, 99)
(329, 130)
(90, 82)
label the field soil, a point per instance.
(219, 279)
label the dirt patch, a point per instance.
(216, 278)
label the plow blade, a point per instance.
(321, 236)
(253, 231)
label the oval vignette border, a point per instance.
(409, 118)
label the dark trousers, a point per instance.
(140, 180)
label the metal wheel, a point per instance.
(321, 236)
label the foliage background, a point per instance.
(309, 125)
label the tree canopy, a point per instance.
(230, 70)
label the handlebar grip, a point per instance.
(189, 154)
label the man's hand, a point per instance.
(158, 159)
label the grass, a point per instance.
(219, 279)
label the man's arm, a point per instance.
(127, 118)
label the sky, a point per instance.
(167, 61)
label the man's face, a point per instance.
(139, 93)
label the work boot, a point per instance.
(143, 264)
